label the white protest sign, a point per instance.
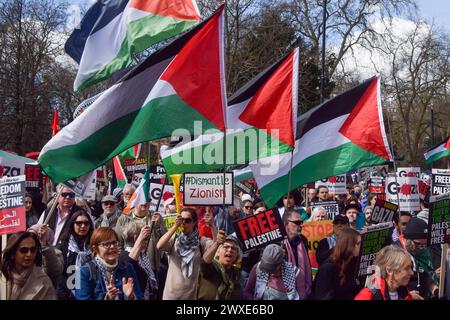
(440, 181)
(331, 208)
(208, 189)
(155, 194)
(407, 190)
(335, 184)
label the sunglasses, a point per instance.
(109, 203)
(25, 250)
(188, 220)
(248, 207)
(82, 223)
(297, 222)
(68, 194)
(109, 245)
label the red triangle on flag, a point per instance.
(55, 122)
(447, 144)
(180, 9)
(201, 62)
(364, 126)
(273, 107)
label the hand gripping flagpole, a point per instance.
(54, 204)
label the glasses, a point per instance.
(248, 207)
(25, 250)
(82, 223)
(188, 220)
(28, 202)
(297, 222)
(419, 245)
(68, 194)
(109, 203)
(109, 245)
(228, 247)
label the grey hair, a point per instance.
(131, 231)
(130, 186)
(368, 207)
(239, 253)
(391, 257)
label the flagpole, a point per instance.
(322, 77)
(290, 174)
(222, 225)
(393, 159)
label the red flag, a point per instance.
(55, 122)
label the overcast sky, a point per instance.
(439, 10)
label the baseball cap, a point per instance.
(272, 257)
(416, 229)
(109, 198)
(246, 197)
(340, 219)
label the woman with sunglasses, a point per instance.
(106, 277)
(21, 267)
(74, 245)
(185, 252)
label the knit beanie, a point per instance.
(416, 229)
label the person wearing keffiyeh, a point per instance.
(185, 251)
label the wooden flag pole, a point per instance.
(54, 204)
(442, 278)
(395, 163)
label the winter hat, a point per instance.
(340, 219)
(416, 229)
(423, 215)
(272, 257)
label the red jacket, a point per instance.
(382, 292)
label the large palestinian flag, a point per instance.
(261, 120)
(439, 151)
(344, 133)
(176, 86)
(112, 31)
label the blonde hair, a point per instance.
(239, 252)
(391, 257)
(131, 230)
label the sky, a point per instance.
(439, 10)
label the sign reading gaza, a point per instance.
(383, 211)
(207, 189)
(439, 221)
(260, 229)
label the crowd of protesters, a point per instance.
(82, 253)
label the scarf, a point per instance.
(289, 277)
(144, 263)
(17, 283)
(303, 265)
(110, 221)
(82, 255)
(423, 260)
(106, 270)
(187, 245)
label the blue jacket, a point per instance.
(92, 287)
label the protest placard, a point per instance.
(156, 192)
(439, 221)
(12, 165)
(424, 188)
(259, 230)
(376, 185)
(207, 189)
(335, 184)
(383, 211)
(331, 208)
(440, 181)
(12, 205)
(405, 190)
(314, 231)
(373, 238)
(34, 178)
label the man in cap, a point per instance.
(273, 278)
(110, 214)
(414, 240)
(219, 278)
(326, 246)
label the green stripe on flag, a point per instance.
(438, 156)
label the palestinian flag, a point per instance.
(133, 152)
(121, 178)
(178, 86)
(439, 151)
(112, 31)
(55, 122)
(342, 134)
(261, 120)
(140, 196)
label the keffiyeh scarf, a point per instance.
(187, 245)
(82, 255)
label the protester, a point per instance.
(296, 247)
(74, 245)
(325, 246)
(318, 214)
(185, 252)
(31, 217)
(127, 192)
(273, 278)
(400, 220)
(335, 279)
(393, 270)
(368, 215)
(247, 207)
(21, 267)
(206, 225)
(351, 211)
(322, 193)
(291, 201)
(414, 240)
(311, 197)
(106, 277)
(219, 279)
(64, 210)
(137, 239)
(111, 212)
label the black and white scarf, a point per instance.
(82, 255)
(106, 270)
(288, 275)
(187, 246)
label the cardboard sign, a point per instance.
(439, 221)
(331, 208)
(34, 178)
(383, 211)
(12, 205)
(155, 194)
(259, 230)
(335, 184)
(405, 190)
(207, 189)
(373, 239)
(135, 169)
(440, 181)
(315, 231)
(11, 165)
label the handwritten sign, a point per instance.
(12, 205)
(206, 189)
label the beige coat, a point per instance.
(37, 287)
